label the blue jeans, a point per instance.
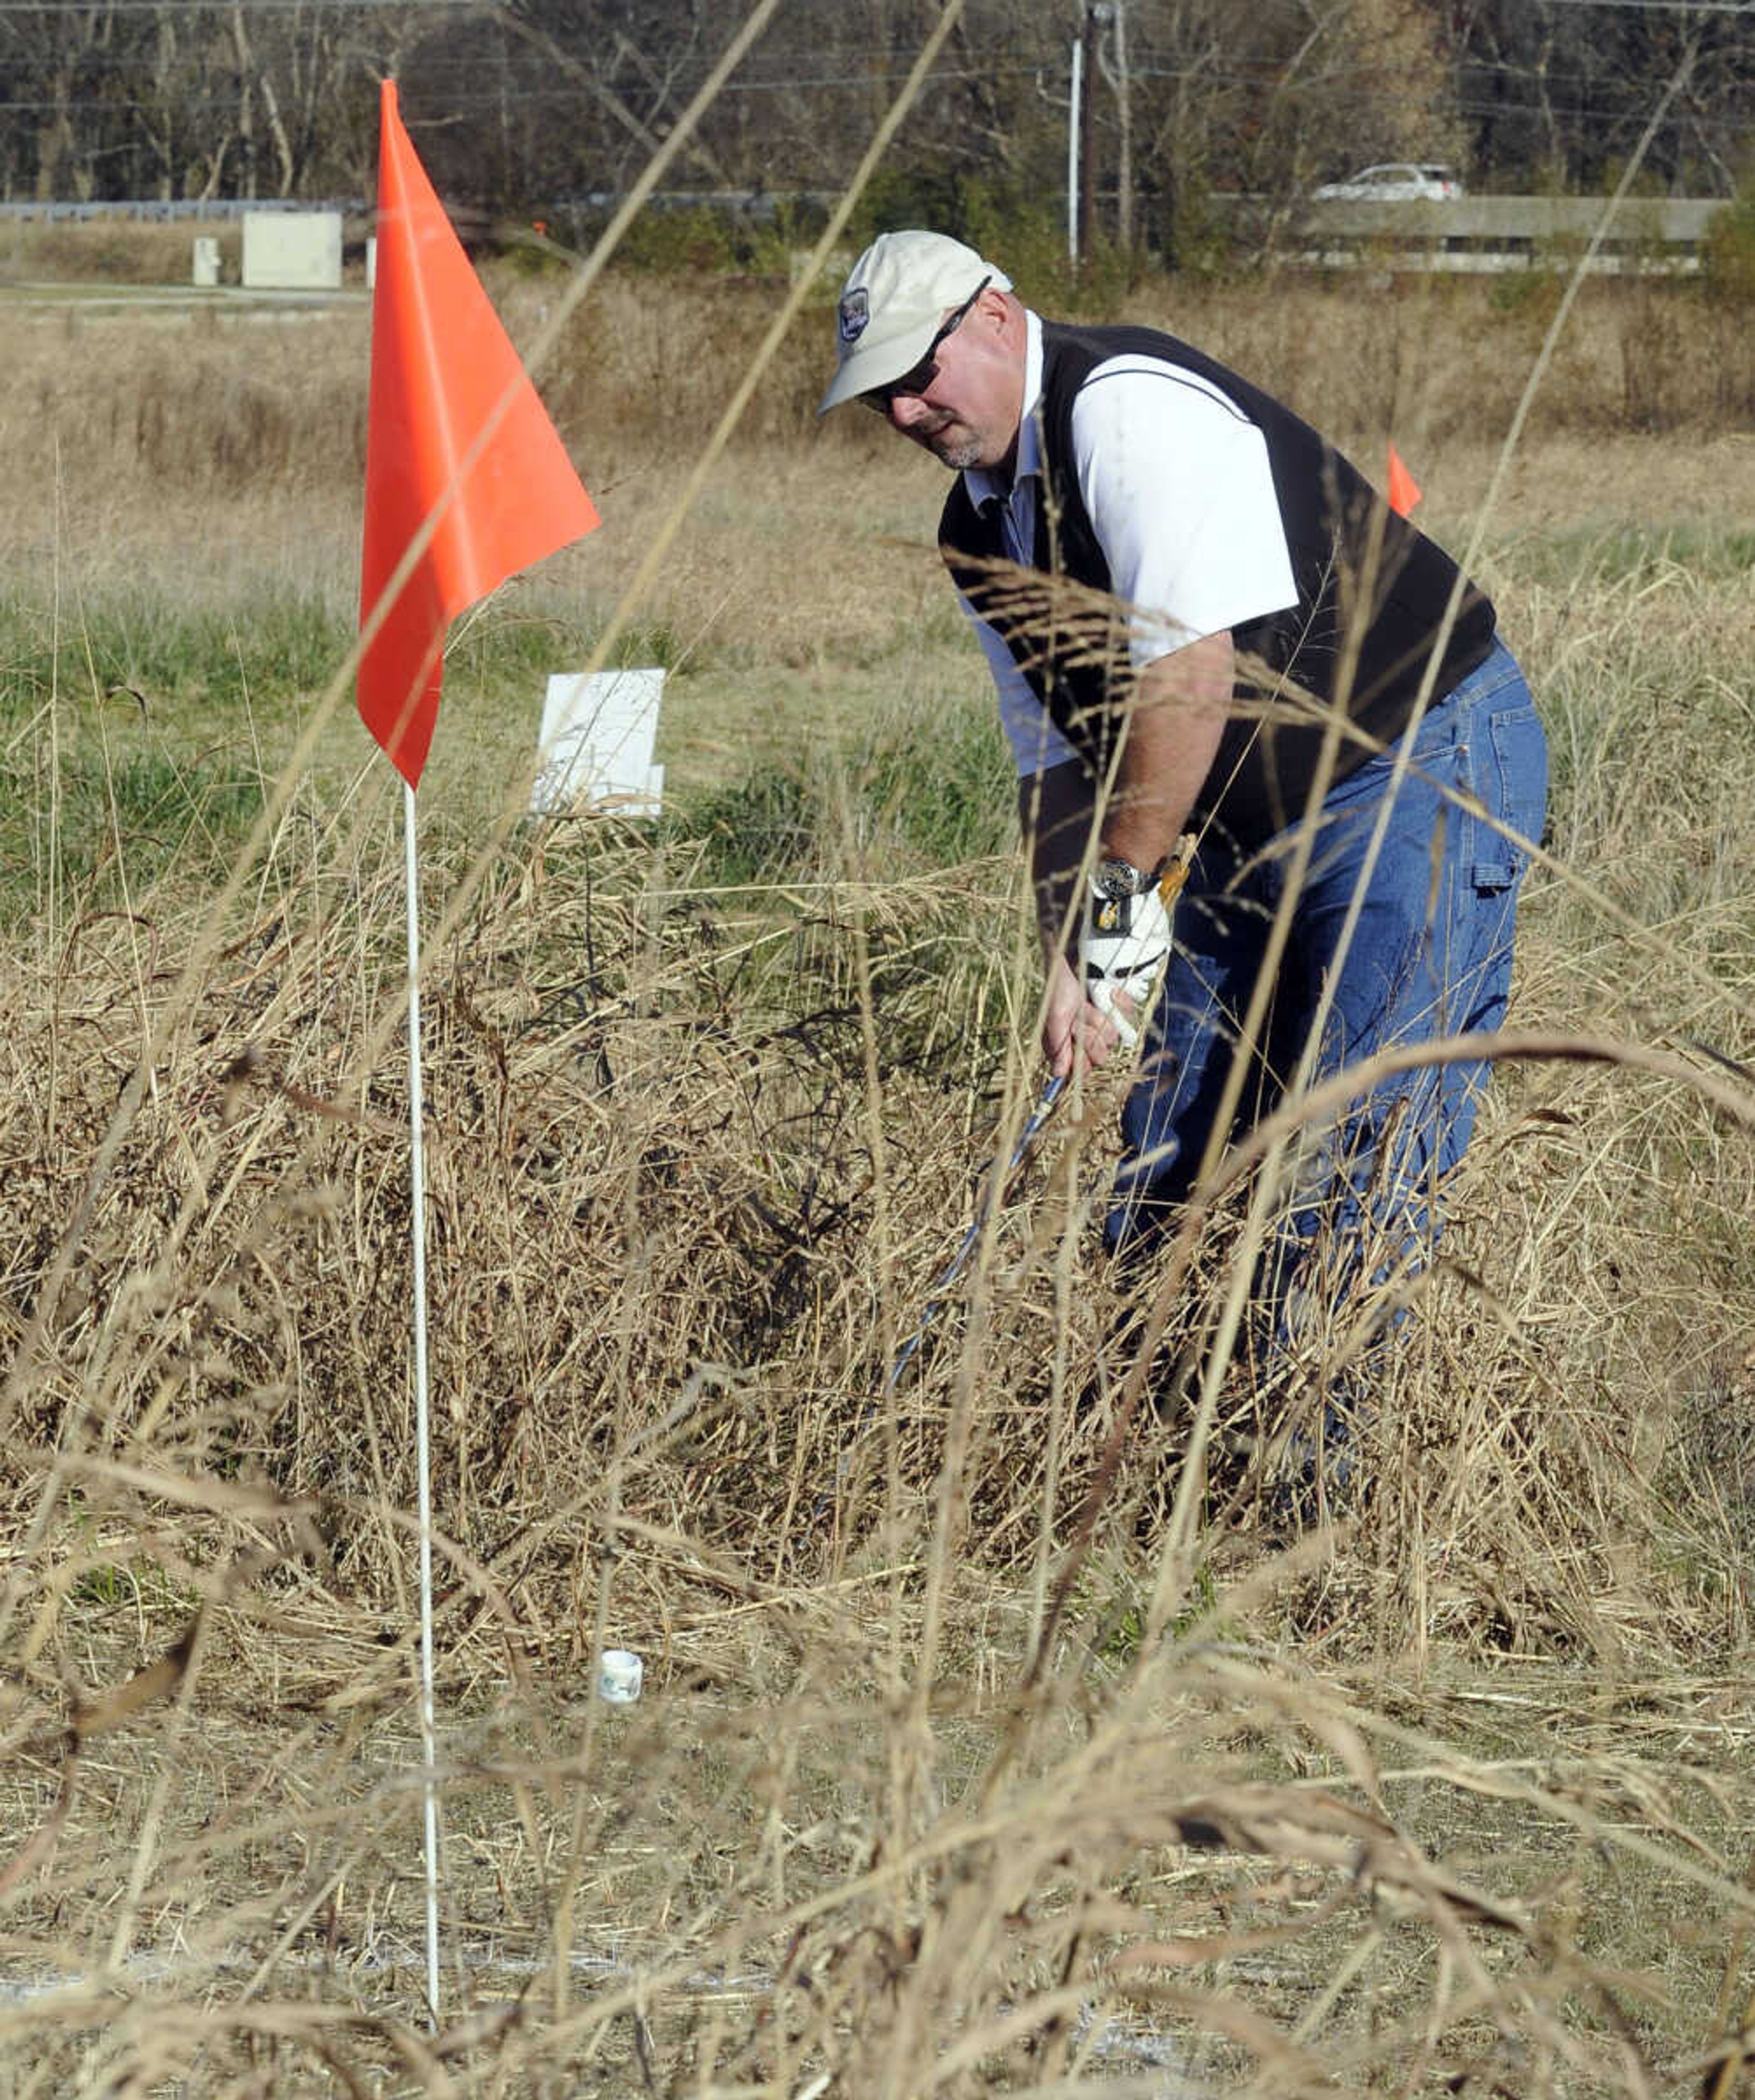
(1430, 956)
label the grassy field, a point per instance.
(969, 1760)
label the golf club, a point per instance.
(995, 1182)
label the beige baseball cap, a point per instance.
(896, 298)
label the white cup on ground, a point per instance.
(620, 1673)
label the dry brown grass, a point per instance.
(216, 401)
(937, 1785)
(108, 251)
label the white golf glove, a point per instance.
(1123, 943)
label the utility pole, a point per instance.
(1075, 113)
(1124, 129)
(1095, 12)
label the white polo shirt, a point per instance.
(1177, 482)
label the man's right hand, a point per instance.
(1076, 1036)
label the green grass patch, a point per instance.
(172, 658)
(897, 798)
(111, 831)
(169, 657)
(1632, 552)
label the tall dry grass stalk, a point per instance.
(957, 1771)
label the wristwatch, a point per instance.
(1114, 879)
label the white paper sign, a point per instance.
(293, 250)
(596, 744)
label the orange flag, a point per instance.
(1404, 490)
(455, 426)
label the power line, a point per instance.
(1664, 7)
(843, 70)
(433, 71)
(249, 6)
(528, 95)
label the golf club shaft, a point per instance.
(998, 1184)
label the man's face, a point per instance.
(967, 415)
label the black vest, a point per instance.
(1367, 648)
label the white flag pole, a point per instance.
(422, 1447)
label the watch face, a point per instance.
(1116, 879)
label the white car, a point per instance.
(1395, 182)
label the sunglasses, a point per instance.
(920, 375)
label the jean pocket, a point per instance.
(1507, 768)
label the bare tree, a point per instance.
(524, 102)
(1557, 96)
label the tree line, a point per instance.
(518, 107)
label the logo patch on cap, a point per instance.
(855, 311)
